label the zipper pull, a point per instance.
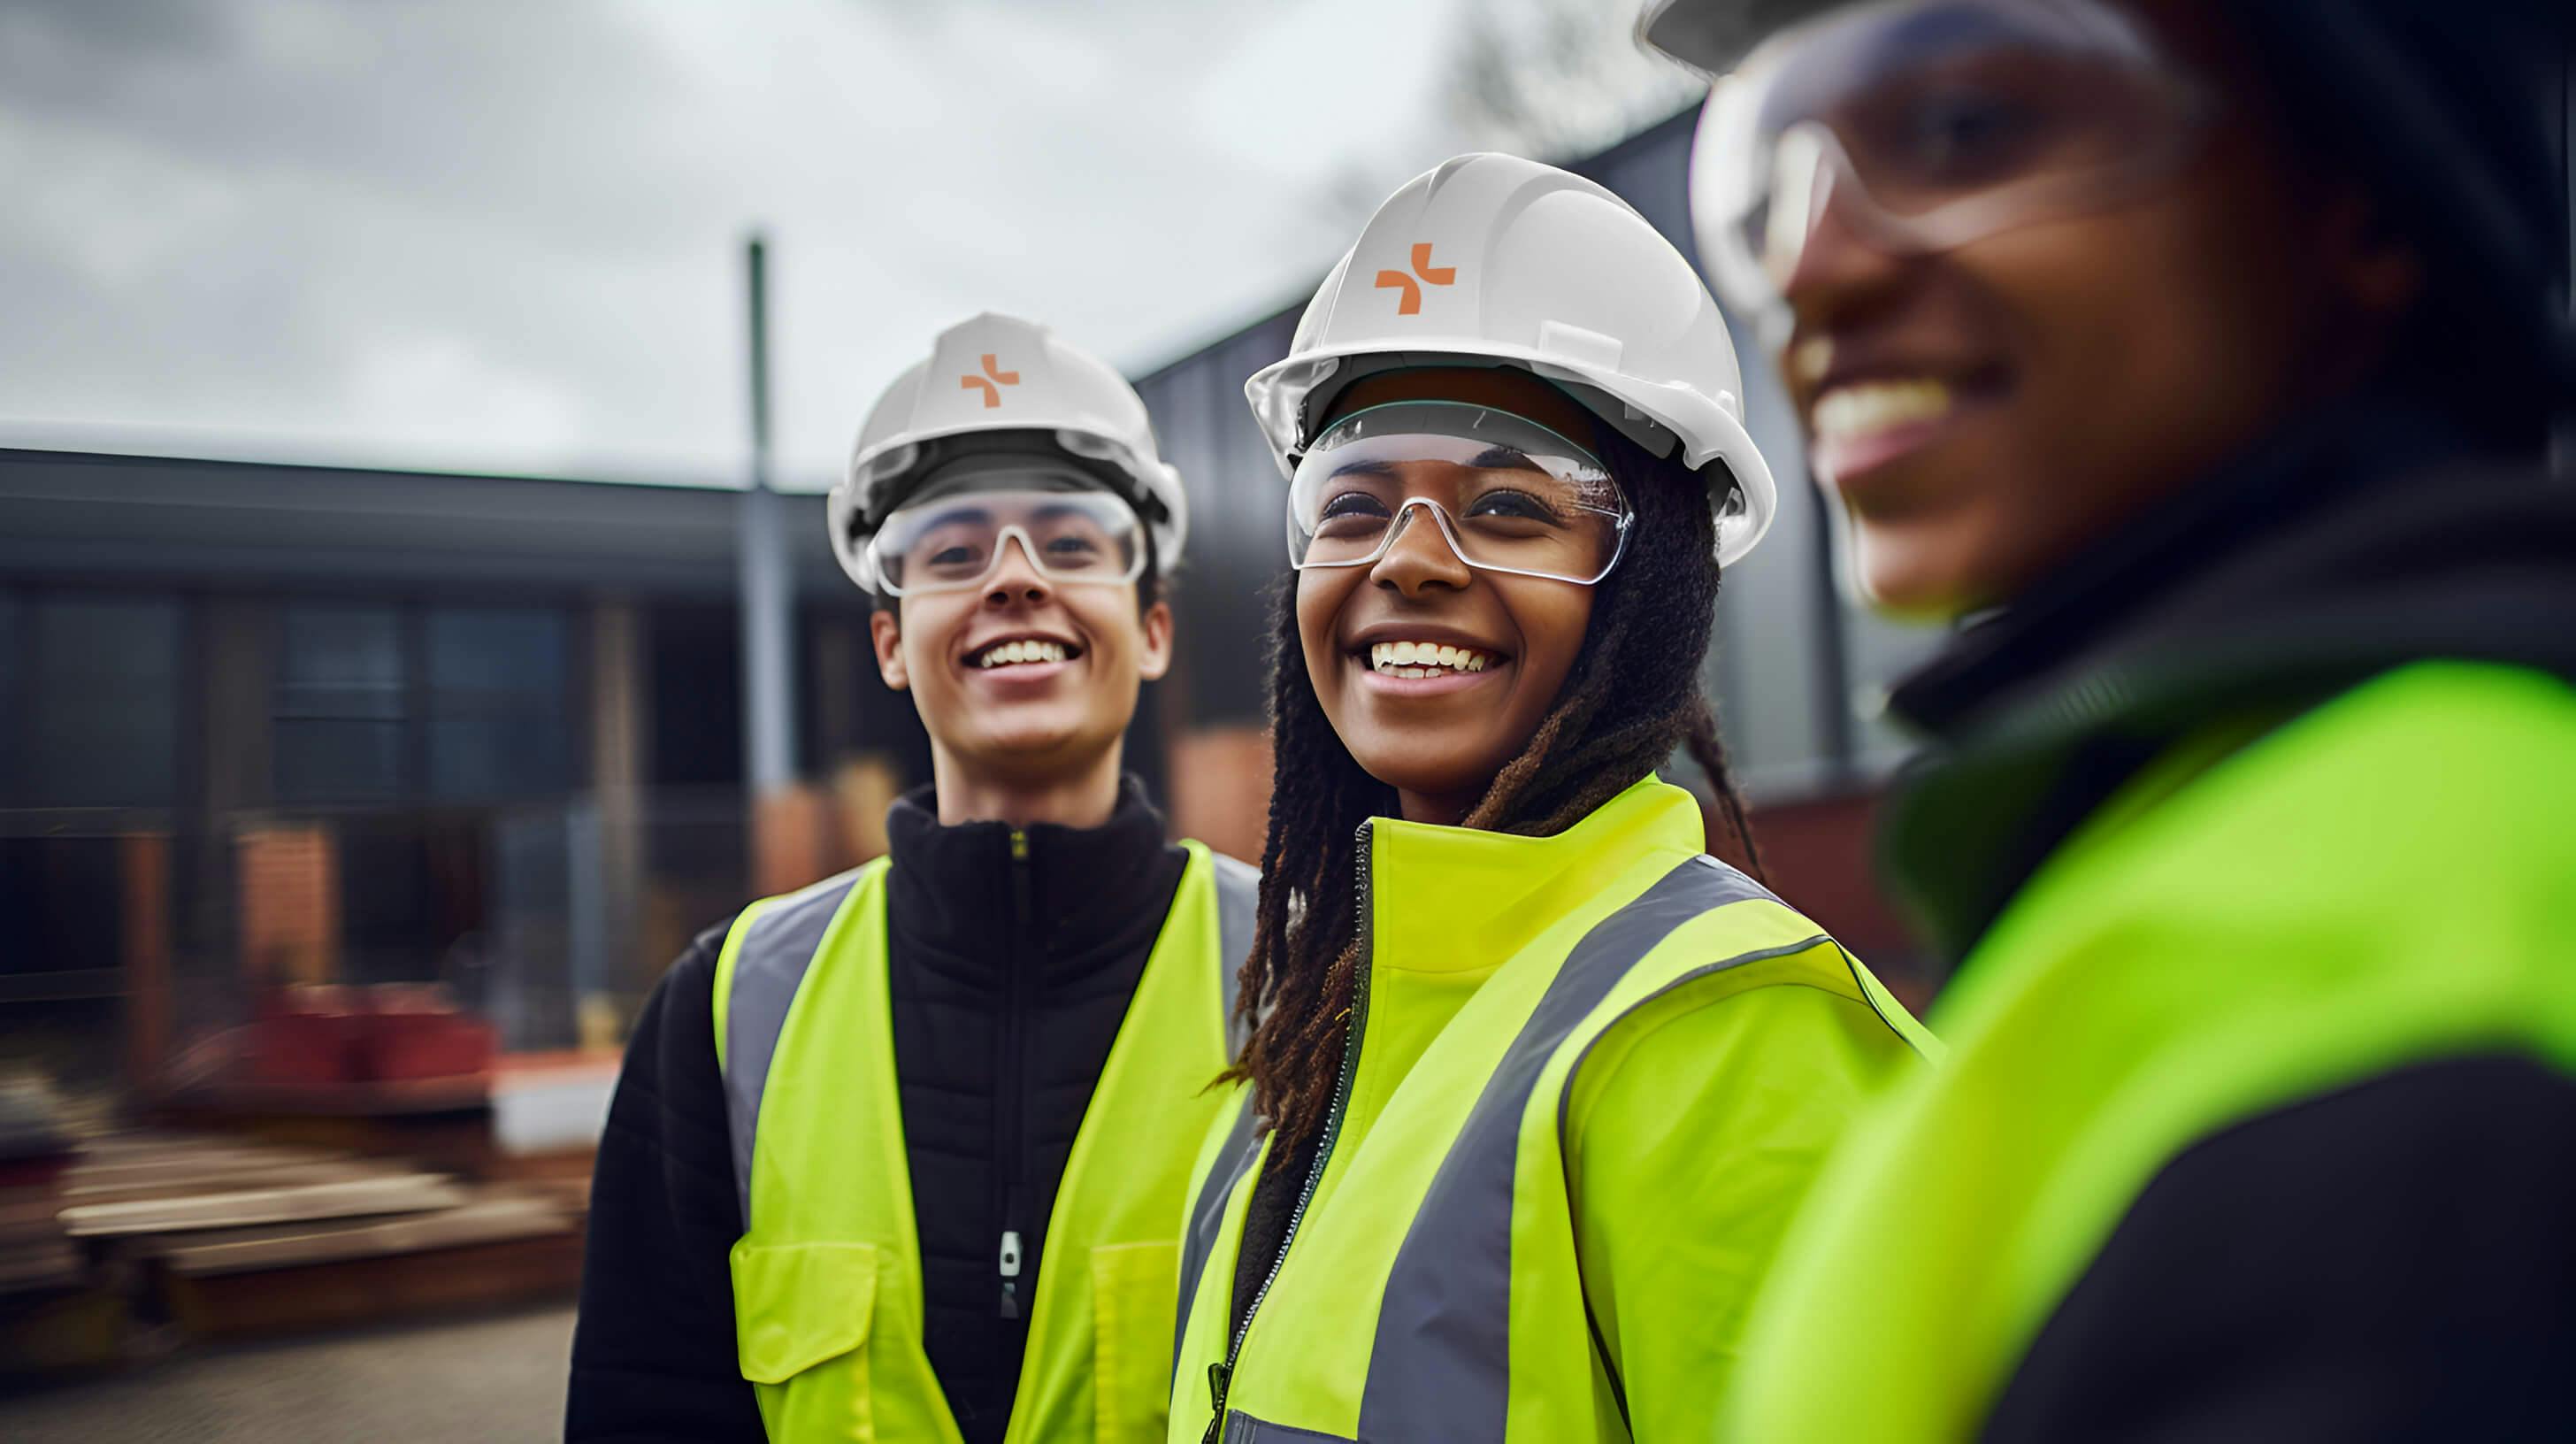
(1220, 1377)
(1010, 1273)
(1019, 845)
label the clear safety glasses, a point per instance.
(1926, 124)
(954, 542)
(1507, 494)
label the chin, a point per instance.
(1908, 599)
(1437, 777)
(1022, 744)
(1915, 574)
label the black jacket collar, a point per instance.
(961, 899)
(2366, 537)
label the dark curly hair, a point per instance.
(1633, 698)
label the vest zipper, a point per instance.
(1010, 1272)
(1007, 1121)
(1221, 1376)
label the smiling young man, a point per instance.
(2201, 355)
(904, 1155)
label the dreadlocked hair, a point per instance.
(1631, 701)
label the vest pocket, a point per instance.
(1135, 1299)
(801, 1316)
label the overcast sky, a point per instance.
(506, 236)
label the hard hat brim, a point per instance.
(1280, 396)
(1153, 479)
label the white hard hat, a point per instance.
(986, 379)
(1495, 260)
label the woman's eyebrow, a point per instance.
(1362, 468)
(1504, 458)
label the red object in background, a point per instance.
(1819, 853)
(325, 1037)
(419, 1032)
(304, 1037)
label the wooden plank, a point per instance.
(491, 1218)
(370, 1290)
(291, 1175)
(191, 1162)
(399, 1193)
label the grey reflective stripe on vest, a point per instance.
(1441, 1364)
(1238, 899)
(1242, 1428)
(1207, 1214)
(778, 945)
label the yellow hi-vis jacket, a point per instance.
(827, 1276)
(1588, 1078)
(2385, 881)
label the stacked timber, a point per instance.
(201, 1236)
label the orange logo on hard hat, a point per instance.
(992, 393)
(1438, 276)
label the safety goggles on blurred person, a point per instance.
(1508, 494)
(1926, 124)
(953, 541)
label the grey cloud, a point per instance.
(506, 236)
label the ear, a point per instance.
(1154, 658)
(887, 634)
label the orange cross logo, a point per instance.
(1438, 276)
(992, 393)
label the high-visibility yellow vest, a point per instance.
(827, 1275)
(2387, 880)
(1432, 1288)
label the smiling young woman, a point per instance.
(1534, 1083)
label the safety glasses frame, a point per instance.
(1804, 170)
(1621, 521)
(1004, 536)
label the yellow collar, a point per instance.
(1455, 899)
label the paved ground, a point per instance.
(485, 1380)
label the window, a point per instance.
(103, 697)
(498, 680)
(340, 710)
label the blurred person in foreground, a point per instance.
(2200, 358)
(904, 1155)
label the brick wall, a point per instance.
(290, 904)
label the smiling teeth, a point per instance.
(1009, 653)
(1424, 659)
(1858, 410)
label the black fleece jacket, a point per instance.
(1009, 977)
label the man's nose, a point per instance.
(1015, 577)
